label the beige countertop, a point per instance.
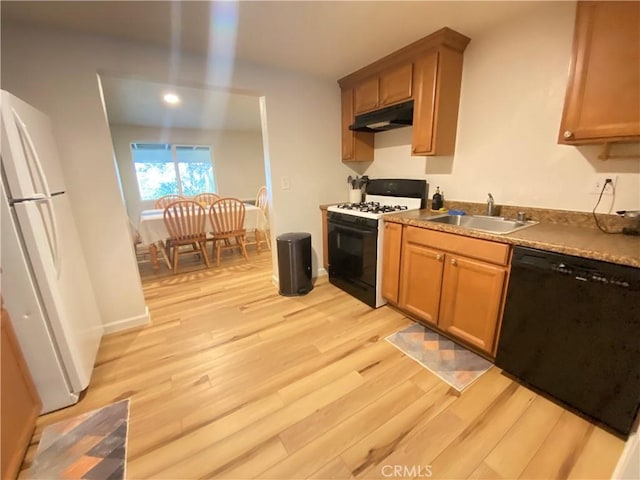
(568, 239)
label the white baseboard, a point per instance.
(127, 323)
(628, 467)
(322, 272)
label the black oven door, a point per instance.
(353, 243)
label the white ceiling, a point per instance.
(137, 102)
(325, 38)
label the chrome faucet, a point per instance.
(490, 206)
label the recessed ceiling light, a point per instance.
(171, 98)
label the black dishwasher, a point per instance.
(571, 329)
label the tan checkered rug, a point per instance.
(92, 446)
(451, 362)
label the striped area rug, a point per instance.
(451, 362)
(92, 446)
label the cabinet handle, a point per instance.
(438, 257)
(454, 261)
(567, 134)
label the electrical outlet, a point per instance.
(598, 182)
(284, 183)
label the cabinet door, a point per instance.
(391, 261)
(365, 95)
(325, 241)
(421, 281)
(395, 84)
(356, 146)
(20, 402)
(471, 299)
(603, 92)
(424, 104)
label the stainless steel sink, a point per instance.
(497, 225)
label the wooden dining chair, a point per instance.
(206, 198)
(142, 250)
(186, 223)
(227, 222)
(262, 202)
(165, 201)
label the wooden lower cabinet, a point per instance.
(421, 281)
(391, 256)
(20, 402)
(460, 295)
(325, 240)
(471, 300)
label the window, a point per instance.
(163, 169)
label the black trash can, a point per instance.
(294, 263)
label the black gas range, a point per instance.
(355, 235)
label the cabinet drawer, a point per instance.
(497, 253)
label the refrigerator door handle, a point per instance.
(46, 198)
(36, 159)
(56, 234)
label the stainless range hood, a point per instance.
(396, 116)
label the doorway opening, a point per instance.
(167, 136)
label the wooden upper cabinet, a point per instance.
(424, 104)
(392, 246)
(438, 80)
(390, 86)
(429, 71)
(602, 102)
(396, 84)
(356, 146)
(365, 96)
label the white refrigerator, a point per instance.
(45, 285)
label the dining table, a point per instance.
(153, 231)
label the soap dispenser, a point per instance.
(436, 203)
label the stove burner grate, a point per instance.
(372, 207)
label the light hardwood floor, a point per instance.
(233, 381)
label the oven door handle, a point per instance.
(360, 231)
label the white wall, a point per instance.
(628, 467)
(512, 95)
(237, 157)
(513, 87)
(57, 72)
